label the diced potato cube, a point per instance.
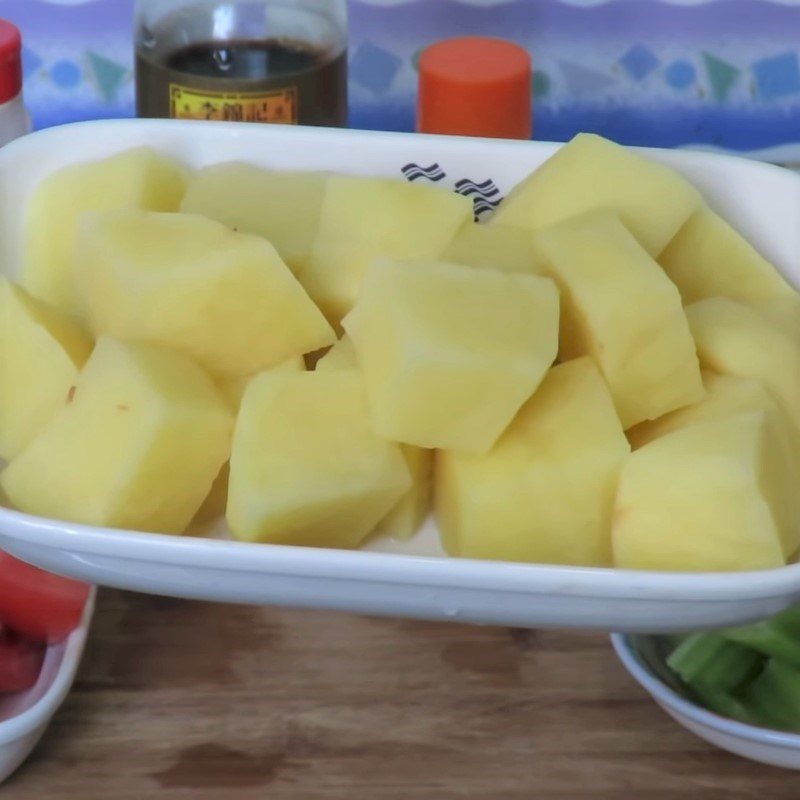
(138, 178)
(590, 172)
(709, 497)
(727, 396)
(405, 519)
(341, 356)
(451, 353)
(782, 312)
(363, 218)
(708, 258)
(184, 281)
(233, 389)
(41, 351)
(734, 340)
(408, 514)
(306, 468)
(282, 206)
(136, 445)
(495, 247)
(545, 492)
(618, 307)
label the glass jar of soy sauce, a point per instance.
(280, 61)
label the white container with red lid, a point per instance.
(14, 119)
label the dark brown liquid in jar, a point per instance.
(269, 80)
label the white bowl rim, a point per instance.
(400, 569)
(667, 696)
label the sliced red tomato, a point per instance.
(38, 604)
(20, 662)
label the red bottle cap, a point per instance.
(10, 61)
(475, 86)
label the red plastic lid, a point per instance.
(475, 86)
(10, 61)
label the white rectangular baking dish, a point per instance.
(24, 717)
(412, 579)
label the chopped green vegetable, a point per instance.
(713, 662)
(778, 637)
(723, 703)
(773, 698)
(750, 673)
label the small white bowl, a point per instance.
(641, 657)
(24, 717)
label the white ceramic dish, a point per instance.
(640, 656)
(411, 579)
(25, 716)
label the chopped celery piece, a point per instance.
(778, 637)
(773, 698)
(710, 661)
(723, 703)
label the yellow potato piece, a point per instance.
(341, 356)
(727, 396)
(138, 178)
(494, 247)
(282, 206)
(450, 353)
(184, 281)
(135, 446)
(708, 497)
(233, 389)
(709, 258)
(41, 351)
(734, 340)
(545, 492)
(618, 307)
(590, 172)
(363, 218)
(306, 468)
(781, 312)
(405, 519)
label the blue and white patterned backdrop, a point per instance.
(714, 73)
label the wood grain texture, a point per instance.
(181, 700)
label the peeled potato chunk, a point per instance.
(341, 356)
(233, 389)
(735, 340)
(364, 218)
(494, 247)
(590, 172)
(450, 353)
(405, 519)
(282, 206)
(306, 468)
(545, 492)
(727, 396)
(138, 178)
(136, 445)
(41, 352)
(187, 282)
(618, 307)
(408, 514)
(709, 497)
(709, 258)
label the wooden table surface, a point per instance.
(183, 700)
